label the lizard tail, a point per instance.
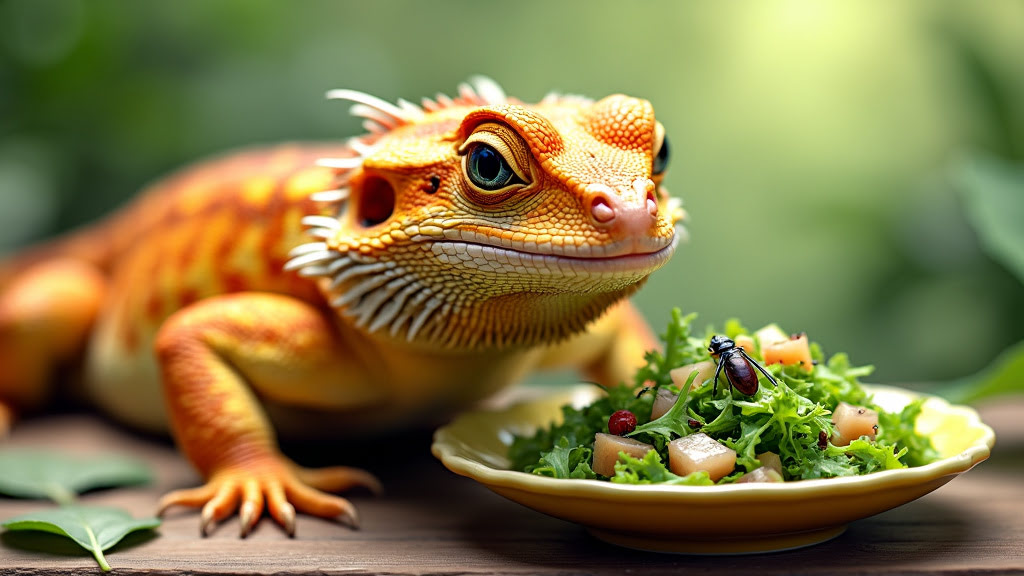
(89, 245)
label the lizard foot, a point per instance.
(281, 487)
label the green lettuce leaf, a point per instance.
(870, 456)
(651, 470)
(579, 426)
(898, 429)
(671, 424)
(679, 351)
(565, 461)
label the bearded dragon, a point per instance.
(321, 289)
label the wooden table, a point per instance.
(434, 522)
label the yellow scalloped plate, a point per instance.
(729, 519)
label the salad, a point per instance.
(787, 414)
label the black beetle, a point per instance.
(739, 368)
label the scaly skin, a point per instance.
(306, 290)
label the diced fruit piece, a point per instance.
(762, 474)
(607, 448)
(770, 334)
(770, 460)
(621, 423)
(663, 402)
(852, 422)
(789, 352)
(705, 371)
(700, 452)
(745, 342)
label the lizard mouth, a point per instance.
(645, 257)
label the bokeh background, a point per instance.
(825, 151)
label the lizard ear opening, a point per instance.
(375, 201)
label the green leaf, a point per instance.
(563, 461)
(1004, 376)
(993, 193)
(671, 424)
(578, 426)
(898, 429)
(40, 474)
(651, 470)
(815, 463)
(95, 528)
(679, 351)
(871, 456)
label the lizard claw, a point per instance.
(247, 517)
(282, 490)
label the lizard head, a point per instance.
(483, 221)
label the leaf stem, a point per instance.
(96, 551)
(59, 494)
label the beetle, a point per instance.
(739, 367)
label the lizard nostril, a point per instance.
(652, 204)
(601, 210)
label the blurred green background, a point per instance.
(819, 147)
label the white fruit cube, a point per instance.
(762, 474)
(700, 452)
(770, 460)
(607, 448)
(705, 371)
(663, 402)
(852, 422)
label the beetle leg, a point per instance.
(718, 370)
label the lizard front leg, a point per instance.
(46, 313)
(215, 357)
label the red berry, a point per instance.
(621, 423)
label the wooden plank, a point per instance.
(433, 522)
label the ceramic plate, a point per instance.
(704, 519)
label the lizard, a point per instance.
(307, 289)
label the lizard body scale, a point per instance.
(413, 270)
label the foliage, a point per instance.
(993, 193)
(95, 528)
(578, 426)
(651, 470)
(42, 474)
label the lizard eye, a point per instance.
(489, 170)
(661, 159)
(496, 164)
(660, 151)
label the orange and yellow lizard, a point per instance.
(455, 247)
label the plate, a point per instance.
(727, 519)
